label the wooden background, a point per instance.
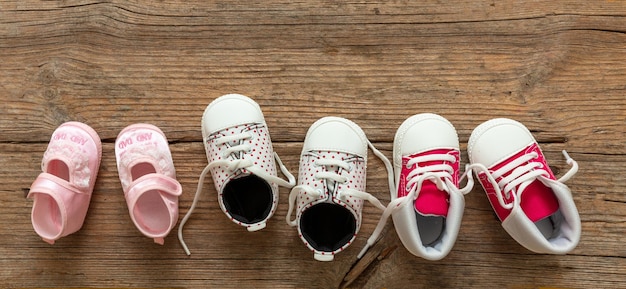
(560, 68)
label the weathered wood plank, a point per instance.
(527, 68)
(557, 67)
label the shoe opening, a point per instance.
(151, 213)
(430, 228)
(46, 216)
(248, 199)
(152, 216)
(141, 169)
(541, 206)
(327, 227)
(538, 201)
(550, 226)
(59, 169)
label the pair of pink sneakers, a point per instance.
(427, 204)
(62, 192)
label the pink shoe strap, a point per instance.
(169, 189)
(49, 183)
(148, 182)
(59, 190)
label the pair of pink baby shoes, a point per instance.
(62, 192)
(427, 204)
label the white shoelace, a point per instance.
(233, 165)
(522, 176)
(334, 177)
(440, 174)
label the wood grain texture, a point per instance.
(557, 67)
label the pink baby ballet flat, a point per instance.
(148, 177)
(61, 193)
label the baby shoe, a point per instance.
(328, 199)
(61, 193)
(148, 177)
(242, 163)
(535, 208)
(426, 202)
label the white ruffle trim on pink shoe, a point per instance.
(62, 192)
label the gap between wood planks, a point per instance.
(367, 263)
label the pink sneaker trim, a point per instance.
(148, 178)
(62, 192)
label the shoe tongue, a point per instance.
(431, 201)
(538, 201)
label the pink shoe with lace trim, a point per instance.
(535, 208)
(62, 192)
(148, 177)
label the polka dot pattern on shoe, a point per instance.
(261, 154)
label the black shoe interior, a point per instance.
(430, 228)
(248, 199)
(327, 227)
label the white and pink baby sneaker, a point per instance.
(148, 178)
(535, 208)
(426, 202)
(328, 199)
(242, 162)
(62, 192)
